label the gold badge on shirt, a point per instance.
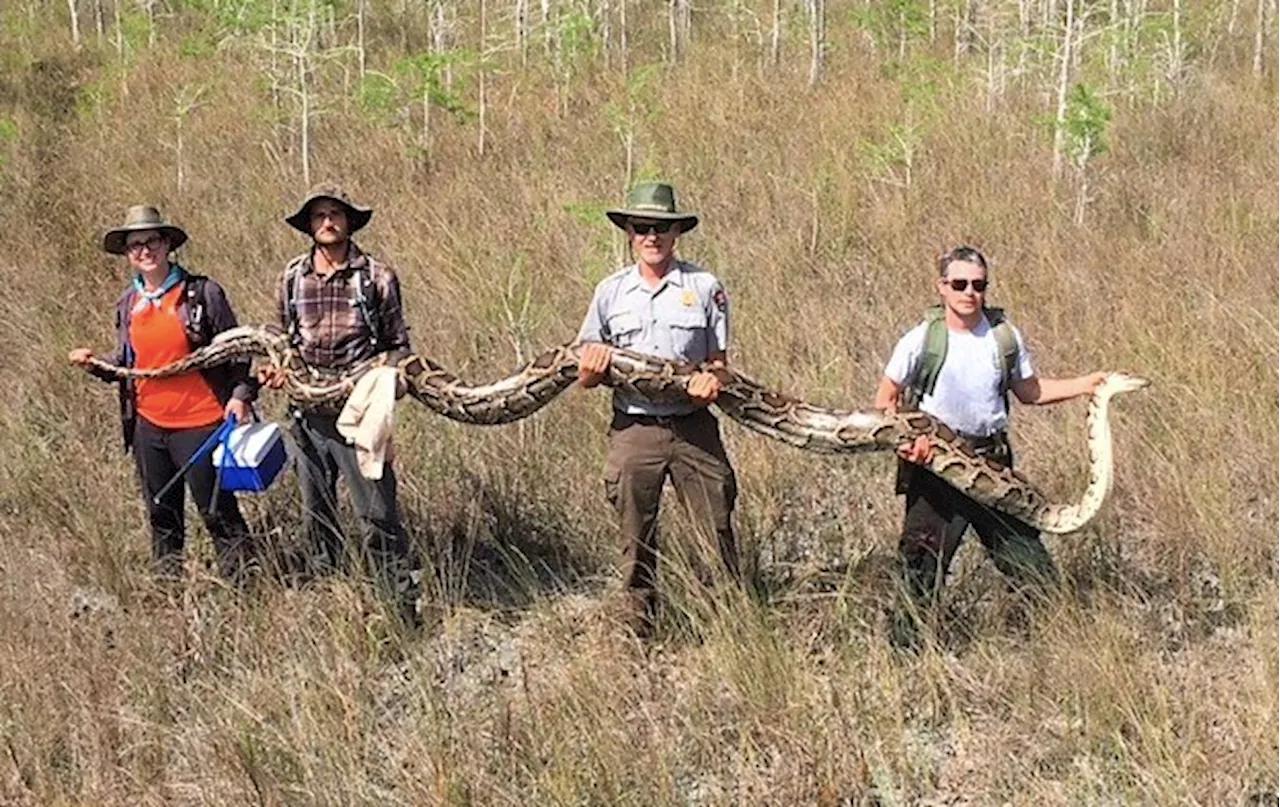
(689, 298)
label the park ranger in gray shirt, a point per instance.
(675, 310)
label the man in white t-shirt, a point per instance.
(982, 358)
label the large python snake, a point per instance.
(784, 418)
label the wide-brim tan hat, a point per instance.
(357, 215)
(142, 217)
(655, 201)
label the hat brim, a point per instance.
(357, 217)
(114, 241)
(688, 221)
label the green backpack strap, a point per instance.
(935, 354)
(1007, 344)
(935, 350)
(931, 359)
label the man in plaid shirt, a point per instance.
(341, 306)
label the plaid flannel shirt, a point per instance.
(331, 329)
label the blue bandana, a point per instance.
(152, 298)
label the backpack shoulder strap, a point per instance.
(292, 280)
(197, 309)
(935, 351)
(124, 314)
(1006, 342)
(1006, 346)
(366, 300)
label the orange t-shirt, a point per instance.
(183, 401)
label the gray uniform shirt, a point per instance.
(684, 318)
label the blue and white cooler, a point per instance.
(250, 457)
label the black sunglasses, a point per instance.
(960, 284)
(153, 243)
(646, 227)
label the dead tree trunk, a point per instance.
(817, 41)
(1064, 78)
(484, 35)
(75, 22)
(360, 35)
(522, 30)
(622, 34)
(1260, 36)
(679, 21)
(775, 36)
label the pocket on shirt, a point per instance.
(624, 329)
(688, 336)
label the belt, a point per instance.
(624, 419)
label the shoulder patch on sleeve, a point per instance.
(720, 298)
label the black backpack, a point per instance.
(199, 330)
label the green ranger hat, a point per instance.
(142, 217)
(655, 201)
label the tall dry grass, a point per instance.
(1152, 680)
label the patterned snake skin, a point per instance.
(790, 420)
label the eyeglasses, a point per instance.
(153, 244)
(646, 227)
(961, 283)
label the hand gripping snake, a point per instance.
(749, 403)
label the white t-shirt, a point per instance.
(967, 395)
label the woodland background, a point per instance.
(1116, 160)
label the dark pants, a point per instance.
(323, 454)
(159, 453)
(642, 453)
(936, 518)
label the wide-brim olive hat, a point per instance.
(142, 217)
(655, 201)
(357, 215)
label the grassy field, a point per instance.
(1153, 678)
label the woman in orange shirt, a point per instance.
(164, 314)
